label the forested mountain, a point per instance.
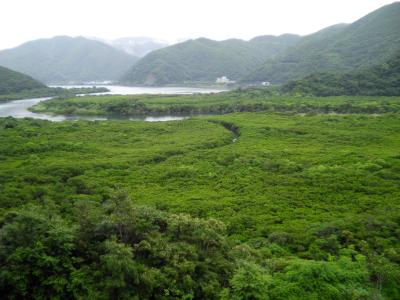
(14, 82)
(380, 80)
(341, 48)
(65, 59)
(203, 60)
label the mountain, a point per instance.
(203, 60)
(15, 82)
(380, 80)
(340, 48)
(138, 46)
(65, 59)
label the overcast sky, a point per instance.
(171, 20)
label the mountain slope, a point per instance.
(65, 59)
(368, 41)
(203, 60)
(380, 80)
(15, 82)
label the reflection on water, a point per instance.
(163, 118)
(19, 108)
(135, 90)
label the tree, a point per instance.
(36, 254)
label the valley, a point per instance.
(265, 168)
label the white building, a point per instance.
(224, 80)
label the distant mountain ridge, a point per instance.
(340, 48)
(65, 59)
(337, 49)
(203, 60)
(138, 46)
(15, 82)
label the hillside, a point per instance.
(366, 42)
(14, 82)
(64, 59)
(203, 60)
(17, 86)
(382, 79)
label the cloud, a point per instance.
(171, 20)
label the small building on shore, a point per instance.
(224, 80)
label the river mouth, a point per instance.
(20, 108)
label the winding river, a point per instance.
(19, 108)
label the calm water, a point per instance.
(128, 90)
(19, 108)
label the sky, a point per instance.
(173, 20)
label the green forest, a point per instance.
(203, 60)
(341, 48)
(16, 86)
(240, 100)
(12, 82)
(64, 59)
(242, 206)
(380, 80)
(275, 174)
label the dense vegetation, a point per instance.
(203, 60)
(14, 82)
(241, 100)
(64, 59)
(383, 79)
(341, 48)
(274, 194)
(98, 210)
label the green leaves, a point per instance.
(36, 254)
(120, 251)
(250, 281)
